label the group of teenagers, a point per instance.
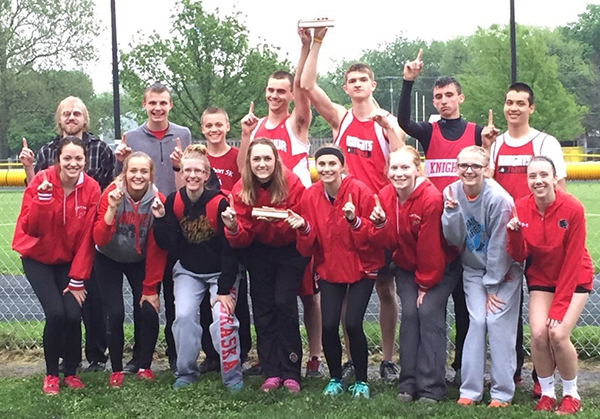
(195, 222)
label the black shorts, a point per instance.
(578, 290)
(387, 268)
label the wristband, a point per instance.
(176, 169)
(318, 40)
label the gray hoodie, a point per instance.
(478, 228)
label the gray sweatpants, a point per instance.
(190, 289)
(501, 327)
(423, 336)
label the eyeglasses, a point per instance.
(188, 171)
(474, 167)
(76, 114)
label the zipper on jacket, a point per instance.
(162, 160)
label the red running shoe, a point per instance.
(116, 379)
(568, 406)
(51, 385)
(73, 381)
(546, 404)
(145, 374)
(536, 391)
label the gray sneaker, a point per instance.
(404, 397)
(389, 372)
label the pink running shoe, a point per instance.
(51, 385)
(271, 383)
(292, 385)
(74, 382)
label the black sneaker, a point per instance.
(389, 372)
(131, 367)
(96, 366)
(348, 371)
(209, 365)
(173, 364)
(254, 370)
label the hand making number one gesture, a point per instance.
(489, 132)
(250, 121)
(349, 209)
(450, 202)
(514, 224)
(123, 150)
(377, 215)
(229, 216)
(45, 186)
(412, 69)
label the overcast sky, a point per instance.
(359, 24)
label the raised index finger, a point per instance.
(350, 198)
(124, 140)
(231, 201)
(377, 203)
(420, 55)
(450, 194)
(24, 141)
(251, 110)
(178, 141)
(490, 118)
(44, 176)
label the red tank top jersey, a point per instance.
(293, 152)
(366, 150)
(226, 169)
(440, 160)
(510, 168)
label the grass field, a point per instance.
(207, 399)
(10, 200)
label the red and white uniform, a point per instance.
(413, 231)
(510, 157)
(555, 246)
(293, 152)
(54, 229)
(277, 233)
(440, 160)
(366, 150)
(226, 169)
(328, 236)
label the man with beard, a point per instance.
(72, 119)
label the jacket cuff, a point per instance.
(306, 229)
(76, 285)
(354, 225)
(492, 289)
(148, 289)
(44, 196)
(380, 225)
(232, 232)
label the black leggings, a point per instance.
(332, 297)
(62, 331)
(109, 274)
(275, 275)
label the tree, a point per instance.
(487, 75)
(39, 34)
(207, 61)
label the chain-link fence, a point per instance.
(21, 316)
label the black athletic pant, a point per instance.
(94, 321)
(461, 314)
(109, 274)
(242, 312)
(332, 297)
(169, 297)
(275, 275)
(62, 331)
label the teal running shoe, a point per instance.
(333, 388)
(359, 389)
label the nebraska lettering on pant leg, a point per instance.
(229, 354)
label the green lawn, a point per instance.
(23, 399)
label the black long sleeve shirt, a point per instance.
(451, 129)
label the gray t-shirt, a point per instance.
(140, 139)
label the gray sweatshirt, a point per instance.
(140, 139)
(478, 228)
